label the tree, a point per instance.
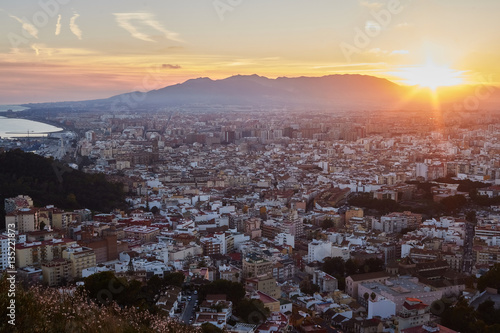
(454, 202)
(307, 287)
(334, 266)
(460, 317)
(490, 279)
(104, 287)
(471, 216)
(366, 296)
(327, 223)
(487, 312)
(252, 311)
(373, 296)
(210, 328)
(351, 267)
(234, 291)
(373, 265)
(155, 210)
(174, 279)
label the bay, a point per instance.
(14, 108)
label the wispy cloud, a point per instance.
(35, 48)
(403, 25)
(126, 20)
(58, 25)
(350, 66)
(371, 5)
(379, 52)
(75, 29)
(400, 52)
(28, 27)
(169, 66)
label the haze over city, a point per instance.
(250, 166)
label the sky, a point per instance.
(62, 50)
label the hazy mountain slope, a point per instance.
(347, 91)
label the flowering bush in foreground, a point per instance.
(40, 309)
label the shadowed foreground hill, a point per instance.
(49, 310)
(51, 182)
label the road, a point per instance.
(188, 310)
(468, 254)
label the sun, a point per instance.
(431, 76)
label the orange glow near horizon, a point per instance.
(431, 76)
(93, 49)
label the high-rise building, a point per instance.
(24, 220)
(255, 265)
(80, 257)
(56, 272)
(293, 225)
(4, 252)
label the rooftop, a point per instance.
(398, 287)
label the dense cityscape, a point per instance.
(373, 222)
(232, 166)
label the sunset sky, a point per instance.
(95, 49)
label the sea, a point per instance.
(14, 108)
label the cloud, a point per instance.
(169, 66)
(400, 52)
(36, 48)
(371, 5)
(75, 29)
(125, 20)
(350, 66)
(377, 51)
(403, 25)
(28, 27)
(58, 25)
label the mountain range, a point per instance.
(341, 91)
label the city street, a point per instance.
(188, 310)
(468, 255)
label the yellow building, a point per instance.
(54, 217)
(24, 220)
(81, 258)
(143, 233)
(267, 285)
(254, 266)
(230, 273)
(36, 253)
(269, 302)
(353, 212)
(56, 272)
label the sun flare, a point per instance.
(431, 76)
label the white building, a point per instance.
(4, 251)
(285, 239)
(318, 250)
(381, 307)
(341, 252)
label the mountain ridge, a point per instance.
(342, 91)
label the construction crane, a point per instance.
(28, 132)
